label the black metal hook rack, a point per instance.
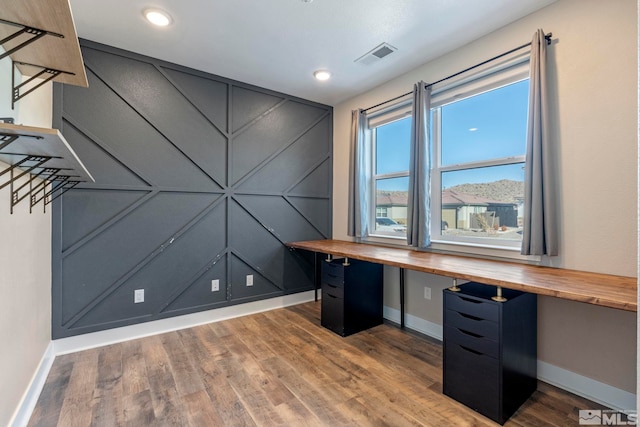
(41, 165)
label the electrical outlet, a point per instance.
(249, 279)
(138, 296)
(427, 292)
(215, 285)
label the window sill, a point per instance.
(482, 250)
(460, 248)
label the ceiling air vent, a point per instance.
(376, 54)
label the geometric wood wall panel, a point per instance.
(197, 178)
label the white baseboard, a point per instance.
(415, 323)
(28, 402)
(588, 388)
(126, 333)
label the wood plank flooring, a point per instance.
(278, 368)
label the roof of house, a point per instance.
(449, 197)
(391, 198)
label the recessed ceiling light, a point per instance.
(157, 17)
(322, 75)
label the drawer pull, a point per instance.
(470, 300)
(471, 334)
(332, 296)
(470, 317)
(332, 275)
(471, 351)
(331, 286)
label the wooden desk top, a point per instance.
(593, 288)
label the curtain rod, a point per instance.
(515, 49)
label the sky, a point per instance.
(490, 125)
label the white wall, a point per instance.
(593, 69)
(25, 267)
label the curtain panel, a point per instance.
(540, 234)
(359, 193)
(419, 198)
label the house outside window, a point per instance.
(479, 134)
(478, 138)
(390, 139)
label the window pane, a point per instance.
(392, 146)
(483, 202)
(391, 206)
(486, 126)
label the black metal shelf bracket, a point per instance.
(63, 183)
(35, 34)
(8, 138)
(46, 74)
(46, 175)
(25, 166)
(28, 164)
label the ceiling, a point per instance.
(278, 44)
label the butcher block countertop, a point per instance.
(593, 288)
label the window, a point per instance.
(478, 148)
(479, 144)
(390, 137)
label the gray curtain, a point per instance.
(540, 234)
(357, 223)
(419, 200)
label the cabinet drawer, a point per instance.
(469, 323)
(335, 267)
(329, 289)
(471, 341)
(487, 310)
(333, 272)
(472, 379)
(332, 313)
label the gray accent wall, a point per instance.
(197, 178)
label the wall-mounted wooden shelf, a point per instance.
(44, 157)
(40, 38)
(49, 51)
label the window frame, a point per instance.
(509, 70)
(479, 83)
(393, 113)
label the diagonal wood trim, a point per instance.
(255, 267)
(148, 121)
(186, 98)
(103, 146)
(259, 221)
(104, 227)
(181, 289)
(237, 104)
(123, 279)
(289, 143)
(306, 218)
(308, 172)
(247, 126)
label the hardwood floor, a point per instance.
(278, 368)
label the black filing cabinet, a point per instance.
(351, 296)
(490, 349)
